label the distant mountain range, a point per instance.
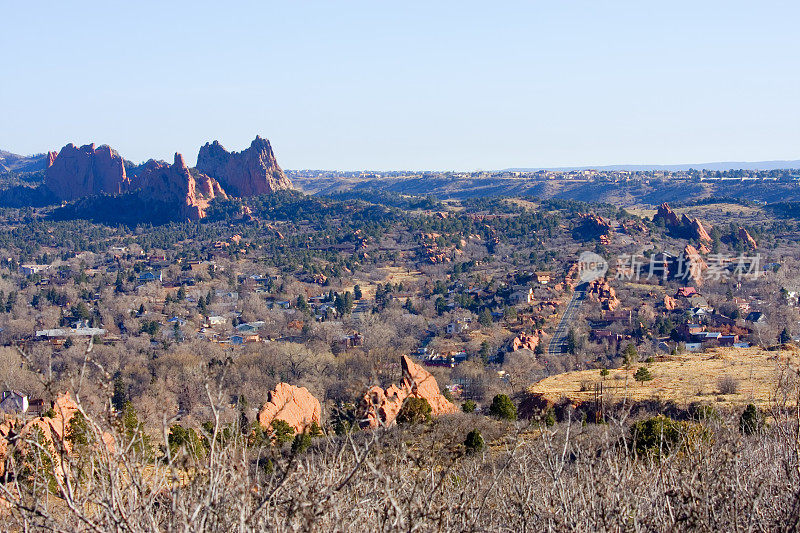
(722, 165)
(20, 163)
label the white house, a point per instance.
(13, 402)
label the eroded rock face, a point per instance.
(593, 227)
(77, 172)
(694, 265)
(251, 172)
(381, 406)
(294, 405)
(670, 303)
(175, 184)
(669, 216)
(601, 291)
(747, 239)
(682, 227)
(524, 341)
(697, 230)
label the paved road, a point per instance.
(556, 346)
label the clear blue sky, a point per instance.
(407, 85)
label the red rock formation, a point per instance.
(633, 227)
(694, 265)
(526, 342)
(250, 172)
(175, 184)
(380, 407)
(670, 218)
(698, 231)
(683, 226)
(77, 172)
(600, 291)
(294, 405)
(591, 226)
(747, 239)
(670, 303)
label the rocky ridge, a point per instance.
(682, 227)
(174, 183)
(74, 172)
(251, 172)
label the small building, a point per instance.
(30, 269)
(36, 407)
(457, 326)
(756, 317)
(217, 320)
(522, 296)
(728, 340)
(686, 292)
(250, 327)
(177, 320)
(13, 402)
(147, 277)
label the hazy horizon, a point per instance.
(445, 86)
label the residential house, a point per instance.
(30, 269)
(217, 320)
(458, 326)
(146, 277)
(756, 317)
(686, 292)
(36, 407)
(522, 295)
(250, 327)
(13, 402)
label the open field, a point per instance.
(761, 376)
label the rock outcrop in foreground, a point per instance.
(49, 432)
(174, 184)
(251, 172)
(76, 172)
(380, 407)
(294, 405)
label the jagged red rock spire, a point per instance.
(174, 183)
(251, 172)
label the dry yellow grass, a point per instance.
(763, 377)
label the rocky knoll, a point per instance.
(682, 227)
(526, 342)
(86, 171)
(381, 406)
(593, 227)
(175, 184)
(294, 405)
(251, 172)
(599, 290)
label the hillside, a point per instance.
(761, 377)
(20, 163)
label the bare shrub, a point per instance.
(728, 385)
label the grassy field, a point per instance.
(760, 376)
